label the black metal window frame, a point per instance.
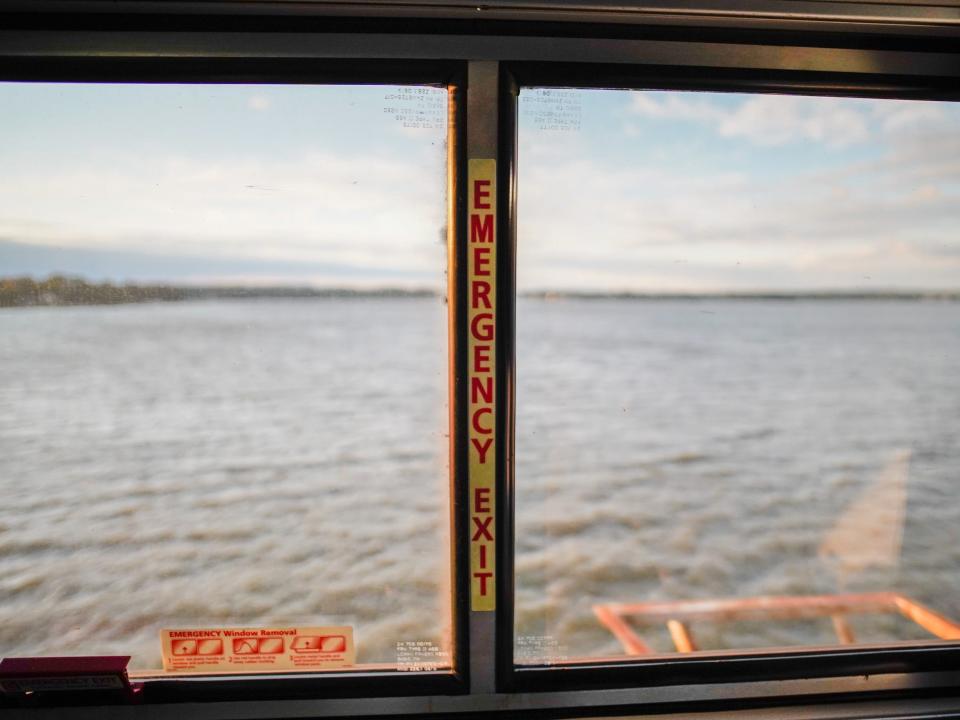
(899, 79)
(909, 50)
(139, 64)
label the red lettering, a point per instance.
(481, 500)
(481, 388)
(481, 261)
(481, 291)
(482, 529)
(482, 329)
(481, 229)
(479, 192)
(482, 449)
(481, 355)
(482, 332)
(476, 420)
(482, 577)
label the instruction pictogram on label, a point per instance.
(257, 646)
(221, 649)
(197, 647)
(319, 643)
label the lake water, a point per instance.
(728, 448)
(284, 462)
(222, 463)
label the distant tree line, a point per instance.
(66, 290)
(758, 295)
(62, 290)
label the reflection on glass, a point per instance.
(737, 405)
(222, 398)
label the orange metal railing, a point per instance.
(679, 613)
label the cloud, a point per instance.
(321, 208)
(198, 267)
(765, 119)
(675, 106)
(777, 120)
(888, 219)
(896, 116)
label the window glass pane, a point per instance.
(223, 387)
(737, 401)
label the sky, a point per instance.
(675, 192)
(344, 186)
(226, 184)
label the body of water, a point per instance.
(225, 463)
(688, 449)
(271, 462)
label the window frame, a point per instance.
(895, 81)
(906, 50)
(363, 682)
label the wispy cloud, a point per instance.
(259, 102)
(776, 120)
(772, 120)
(343, 209)
(189, 179)
(884, 218)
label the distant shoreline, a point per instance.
(759, 295)
(62, 291)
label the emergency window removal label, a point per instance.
(481, 264)
(256, 649)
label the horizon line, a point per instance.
(307, 289)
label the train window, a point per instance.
(738, 324)
(223, 401)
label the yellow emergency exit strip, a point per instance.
(482, 315)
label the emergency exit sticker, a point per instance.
(257, 649)
(481, 353)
